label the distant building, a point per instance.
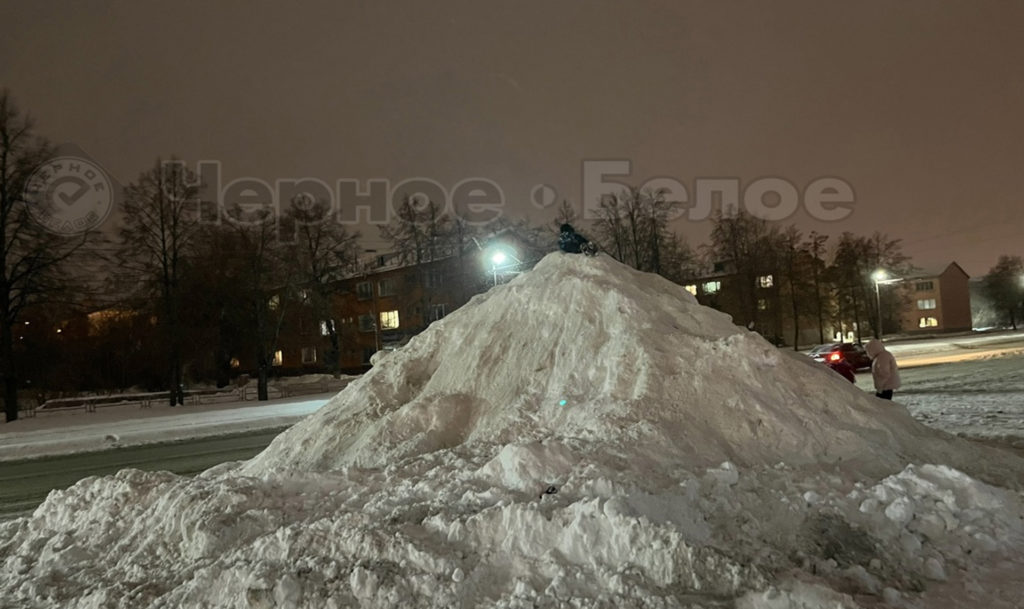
(753, 301)
(937, 301)
(930, 302)
(386, 301)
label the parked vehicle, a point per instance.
(831, 353)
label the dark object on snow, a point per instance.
(844, 368)
(574, 243)
(551, 490)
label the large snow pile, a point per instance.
(585, 436)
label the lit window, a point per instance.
(762, 304)
(364, 290)
(274, 302)
(309, 355)
(278, 358)
(366, 323)
(388, 320)
(928, 303)
(765, 281)
(304, 295)
(437, 312)
(325, 327)
(928, 322)
(712, 287)
(386, 287)
(692, 288)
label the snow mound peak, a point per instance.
(590, 351)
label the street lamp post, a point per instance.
(879, 276)
(498, 258)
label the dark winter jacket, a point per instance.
(569, 240)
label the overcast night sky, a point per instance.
(917, 104)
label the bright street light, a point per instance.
(500, 258)
(880, 276)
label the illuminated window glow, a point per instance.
(389, 320)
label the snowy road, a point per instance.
(24, 484)
(80, 431)
(912, 354)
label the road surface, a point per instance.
(24, 484)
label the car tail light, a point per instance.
(835, 356)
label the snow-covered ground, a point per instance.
(585, 436)
(981, 398)
(128, 425)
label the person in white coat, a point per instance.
(884, 370)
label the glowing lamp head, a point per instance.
(498, 258)
(880, 275)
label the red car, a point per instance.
(832, 353)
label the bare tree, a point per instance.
(157, 243)
(422, 234)
(856, 258)
(633, 228)
(31, 258)
(752, 247)
(566, 214)
(815, 246)
(1004, 285)
(322, 251)
(265, 285)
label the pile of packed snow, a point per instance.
(584, 436)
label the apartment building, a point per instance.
(936, 301)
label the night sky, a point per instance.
(917, 104)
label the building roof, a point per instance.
(932, 272)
